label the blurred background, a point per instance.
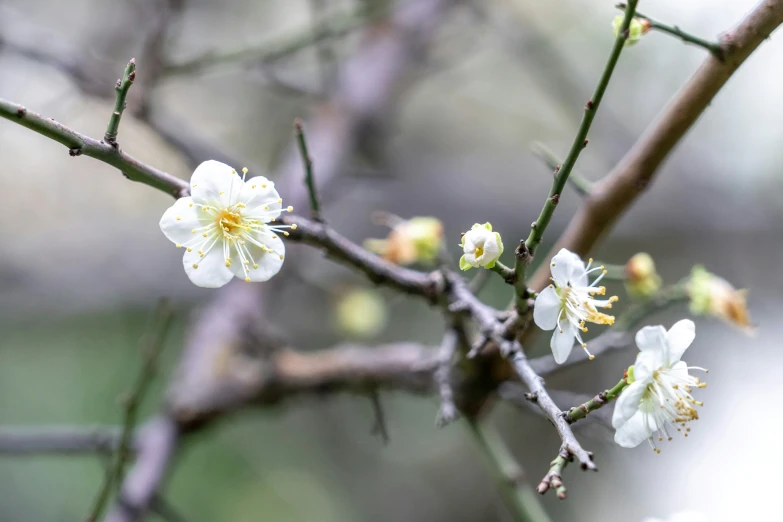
(84, 262)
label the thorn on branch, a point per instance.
(76, 151)
(21, 112)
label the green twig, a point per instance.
(154, 341)
(79, 144)
(528, 250)
(505, 272)
(599, 401)
(517, 494)
(122, 87)
(335, 26)
(712, 47)
(554, 477)
(315, 207)
(582, 185)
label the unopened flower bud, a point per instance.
(417, 240)
(638, 27)
(713, 295)
(642, 280)
(482, 247)
(361, 313)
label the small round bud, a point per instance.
(637, 29)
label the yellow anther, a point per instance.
(179, 218)
(590, 260)
(178, 245)
(247, 262)
(204, 234)
(290, 208)
(279, 200)
(247, 280)
(244, 170)
(255, 265)
(252, 186)
(263, 186)
(554, 264)
(281, 258)
(591, 357)
(195, 265)
(584, 345)
(293, 227)
(190, 204)
(233, 171)
(221, 193)
(266, 207)
(285, 234)
(228, 261)
(200, 253)
(193, 231)
(190, 249)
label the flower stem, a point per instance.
(122, 88)
(517, 494)
(315, 207)
(579, 143)
(712, 47)
(599, 401)
(504, 271)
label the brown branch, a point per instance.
(614, 194)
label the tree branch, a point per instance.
(123, 85)
(79, 144)
(632, 175)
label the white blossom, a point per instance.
(223, 227)
(659, 396)
(481, 247)
(568, 303)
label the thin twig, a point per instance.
(79, 144)
(334, 26)
(307, 161)
(122, 87)
(580, 184)
(554, 477)
(599, 401)
(509, 477)
(505, 272)
(632, 175)
(154, 342)
(379, 426)
(59, 440)
(580, 142)
(712, 47)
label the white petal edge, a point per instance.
(652, 338)
(628, 403)
(210, 179)
(269, 263)
(257, 193)
(562, 342)
(563, 265)
(212, 271)
(679, 337)
(180, 219)
(547, 309)
(634, 431)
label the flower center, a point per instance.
(478, 252)
(231, 222)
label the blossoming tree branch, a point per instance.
(230, 223)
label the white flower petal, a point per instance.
(212, 178)
(646, 364)
(679, 371)
(679, 337)
(651, 338)
(547, 309)
(562, 342)
(269, 263)
(471, 258)
(628, 403)
(258, 193)
(565, 267)
(635, 431)
(180, 219)
(491, 250)
(211, 271)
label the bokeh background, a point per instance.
(83, 260)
